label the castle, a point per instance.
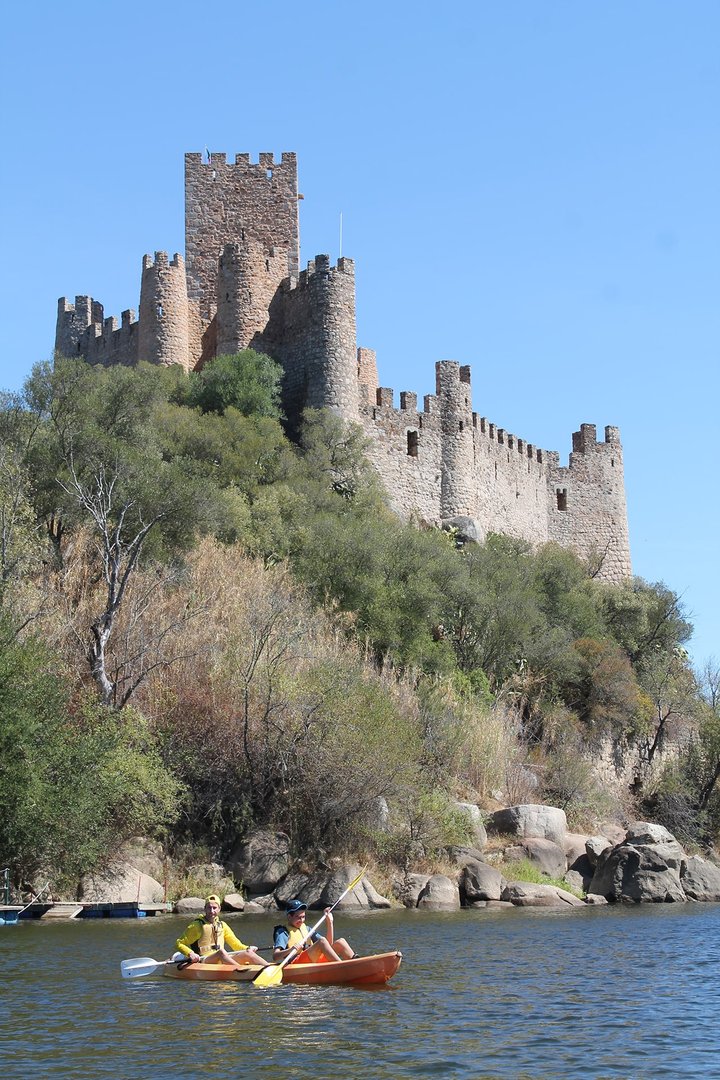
(240, 287)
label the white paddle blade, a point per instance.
(140, 965)
(269, 976)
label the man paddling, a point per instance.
(207, 936)
(315, 949)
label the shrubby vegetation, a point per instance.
(204, 627)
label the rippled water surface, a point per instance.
(589, 993)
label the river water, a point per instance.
(524, 994)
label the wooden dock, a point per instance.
(69, 909)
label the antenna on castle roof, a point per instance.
(340, 255)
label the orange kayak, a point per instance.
(361, 971)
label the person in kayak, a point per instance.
(206, 939)
(315, 948)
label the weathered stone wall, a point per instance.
(447, 462)
(164, 322)
(82, 330)
(510, 484)
(228, 203)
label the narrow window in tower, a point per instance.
(561, 499)
(412, 443)
(612, 462)
(159, 311)
(461, 426)
(269, 174)
(267, 265)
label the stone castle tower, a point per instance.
(240, 286)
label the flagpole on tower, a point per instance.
(340, 234)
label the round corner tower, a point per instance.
(164, 323)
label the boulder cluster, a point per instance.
(642, 863)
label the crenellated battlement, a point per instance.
(317, 269)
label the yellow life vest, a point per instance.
(297, 936)
(212, 937)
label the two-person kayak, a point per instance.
(360, 971)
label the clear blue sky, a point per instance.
(530, 187)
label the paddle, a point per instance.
(272, 974)
(145, 965)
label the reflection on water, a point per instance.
(596, 993)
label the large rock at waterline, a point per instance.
(297, 885)
(120, 883)
(478, 881)
(362, 895)
(189, 905)
(261, 860)
(547, 856)
(530, 820)
(700, 879)
(629, 874)
(322, 889)
(439, 894)
(527, 894)
(407, 889)
(233, 901)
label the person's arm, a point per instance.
(329, 926)
(189, 938)
(232, 942)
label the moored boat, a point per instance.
(360, 971)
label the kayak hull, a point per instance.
(361, 971)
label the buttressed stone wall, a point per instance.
(443, 464)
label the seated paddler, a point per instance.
(315, 948)
(208, 938)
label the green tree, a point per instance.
(75, 781)
(248, 381)
(99, 463)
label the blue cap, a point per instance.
(295, 905)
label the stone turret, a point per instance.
(163, 311)
(73, 321)
(248, 276)
(452, 391)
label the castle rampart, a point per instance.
(442, 464)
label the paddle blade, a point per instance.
(269, 976)
(140, 965)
